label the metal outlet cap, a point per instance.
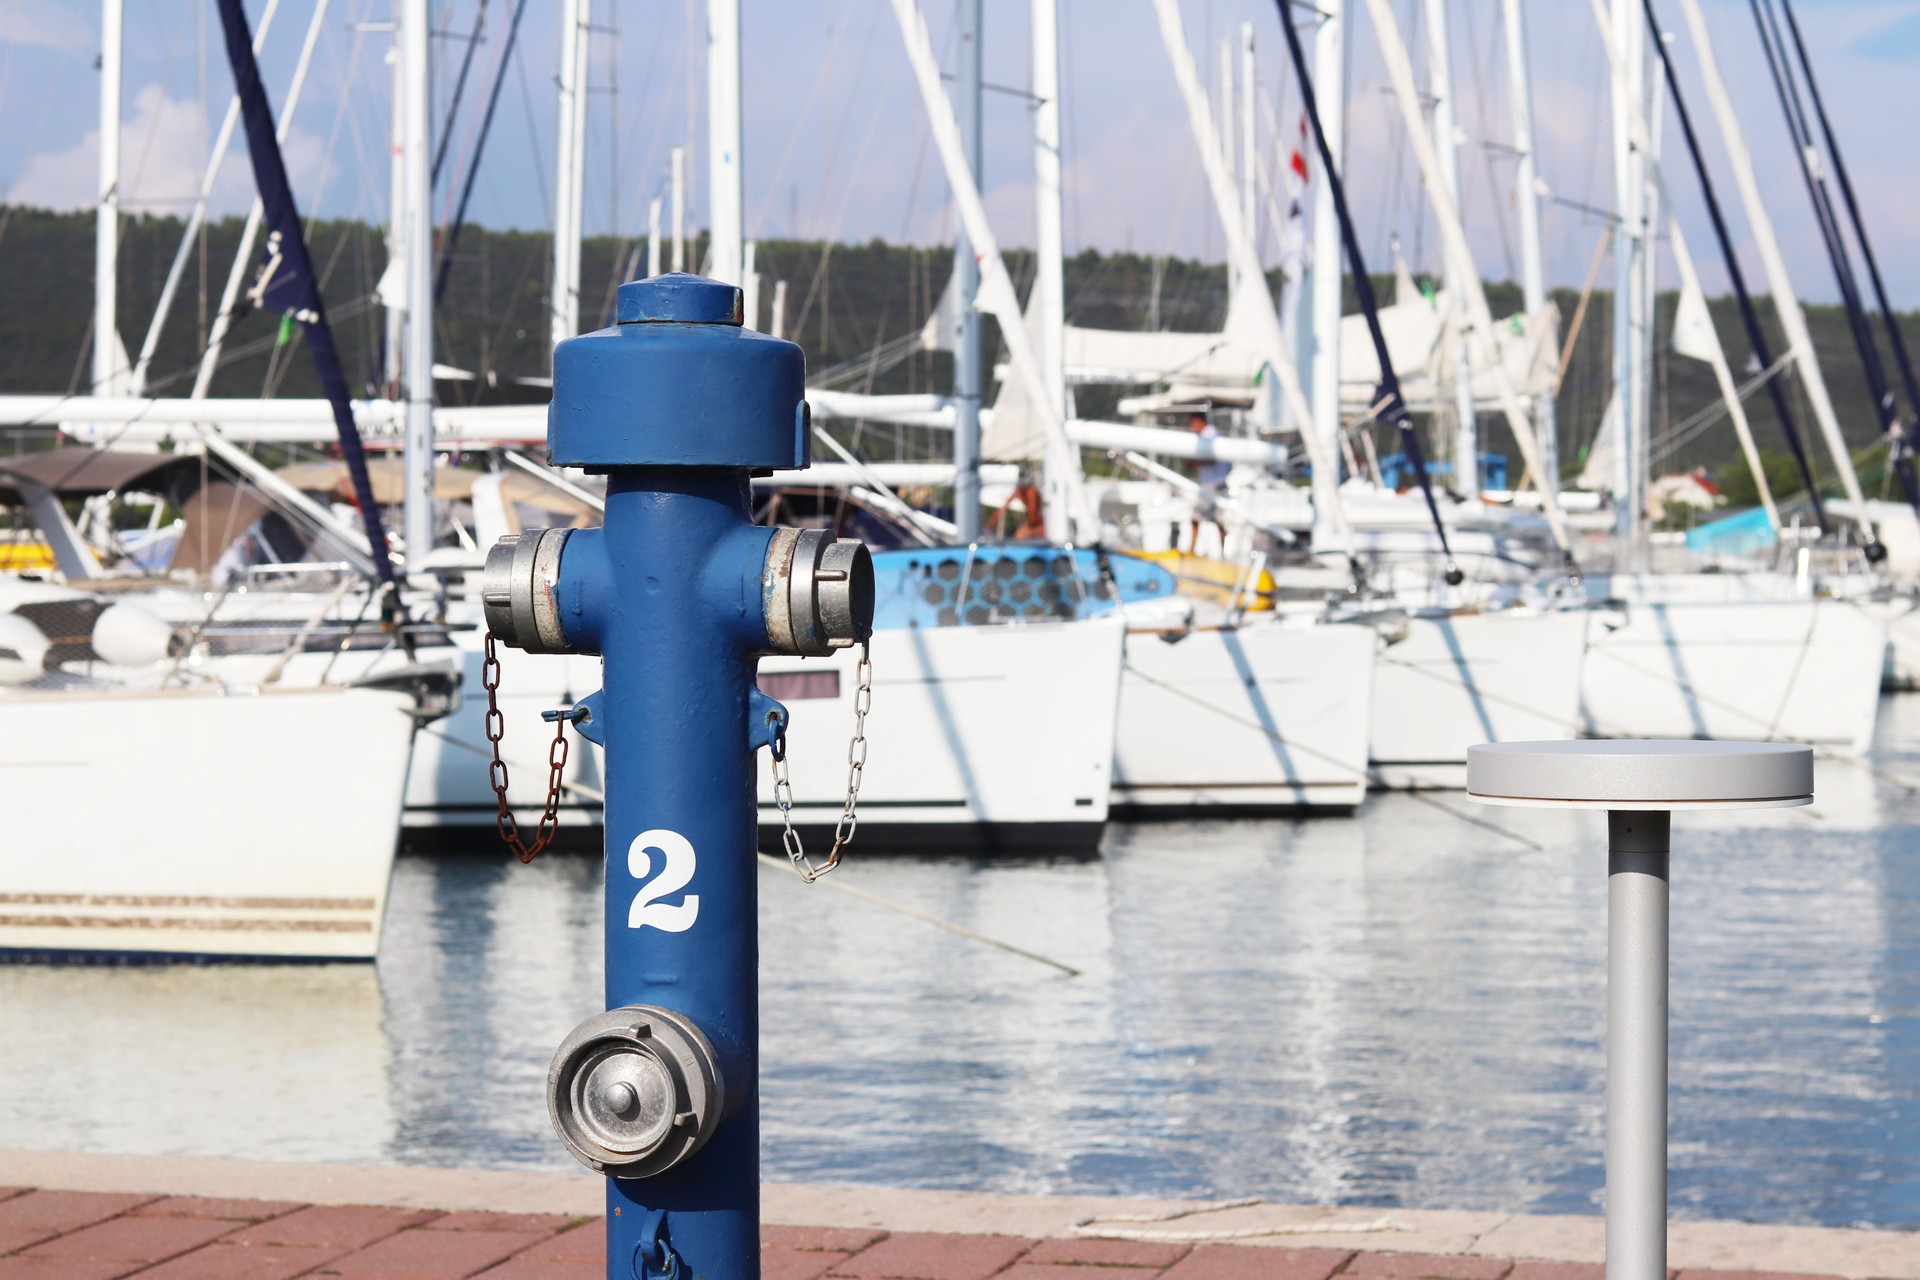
(634, 1091)
(517, 590)
(818, 592)
(1639, 773)
(845, 592)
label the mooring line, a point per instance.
(838, 886)
(1371, 774)
(1475, 821)
(841, 886)
(1102, 1227)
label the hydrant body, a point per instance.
(678, 406)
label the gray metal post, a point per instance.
(966, 283)
(1637, 848)
(1672, 775)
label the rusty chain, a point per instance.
(507, 824)
(849, 821)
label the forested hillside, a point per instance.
(843, 302)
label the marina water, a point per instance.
(1402, 1009)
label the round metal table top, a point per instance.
(1639, 773)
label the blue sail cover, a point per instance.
(287, 282)
(1014, 582)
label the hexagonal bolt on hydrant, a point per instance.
(678, 592)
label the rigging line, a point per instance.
(540, 169)
(1749, 314)
(1774, 42)
(1887, 314)
(1787, 91)
(459, 88)
(451, 239)
(153, 125)
(838, 132)
(1691, 426)
(820, 79)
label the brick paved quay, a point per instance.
(73, 1217)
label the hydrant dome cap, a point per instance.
(678, 298)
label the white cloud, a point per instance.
(58, 25)
(162, 156)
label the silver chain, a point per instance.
(856, 768)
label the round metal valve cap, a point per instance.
(625, 1101)
(634, 1091)
(678, 298)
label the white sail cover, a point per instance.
(1225, 366)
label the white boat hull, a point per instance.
(1268, 717)
(1456, 681)
(1779, 670)
(195, 824)
(988, 738)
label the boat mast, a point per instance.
(1225, 113)
(1786, 302)
(570, 178)
(1249, 139)
(107, 364)
(1479, 317)
(1323, 277)
(725, 219)
(1241, 255)
(1446, 135)
(966, 284)
(1048, 303)
(1628, 35)
(1526, 198)
(678, 180)
(417, 39)
(393, 281)
(1640, 135)
(996, 295)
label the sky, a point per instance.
(837, 146)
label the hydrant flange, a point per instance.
(634, 1091)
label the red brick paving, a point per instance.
(1242, 1262)
(1109, 1253)
(73, 1235)
(41, 1215)
(433, 1255)
(1532, 1269)
(1426, 1266)
(779, 1262)
(142, 1240)
(205, 1207)
(925, 1255)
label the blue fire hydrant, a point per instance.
(678, 592)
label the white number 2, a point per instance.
(677, 871)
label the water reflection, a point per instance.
(1402, 1009)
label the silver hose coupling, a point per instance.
(818, 592)
(517, 590)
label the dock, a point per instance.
(102, 1217)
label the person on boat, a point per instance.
(1211, 475)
